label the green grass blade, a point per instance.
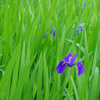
(75, 89)
(94, 89)
(85, 81)
(22, 80)
(39, 83)
(46, 82)
(8, 70)
(15, 78)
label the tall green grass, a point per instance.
(28, 61)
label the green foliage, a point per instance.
(28, 61)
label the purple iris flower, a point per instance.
(69, 60)
(45, 35)
(78, 31)
(40, 25)
(26, 0)
(47, 28)
(73, 34)
(53, 34)
(81, 27)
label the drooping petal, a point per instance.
(68, 57)
(61, 66)
(81, 68)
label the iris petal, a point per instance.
(81, 68)
(74, 57)
(53, 34)
(70, 59)
(67, 58)
(61, 66)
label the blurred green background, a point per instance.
(28, 61)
